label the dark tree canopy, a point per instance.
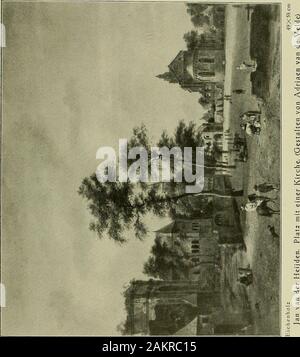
(204, 14)
(119, 206)
(198, 17)
(196, 8)
(191, 39)
(204, 102)
(168, 262)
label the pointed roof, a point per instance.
(177, 66)
(169, 228)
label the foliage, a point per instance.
(117, 207)
(168, 261)
(191, 39)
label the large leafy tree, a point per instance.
(117, 207)
(168, 262)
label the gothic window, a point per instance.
(206, 74)
(206, 60)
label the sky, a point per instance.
(77, 77)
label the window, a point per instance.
(206, 74)
(206, 60)
(195, 226)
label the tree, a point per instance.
(193, 207)
(210, 18)
(168, 262)
(191, 39)
(200, 20)
(196, 8)
(207, 116)
(204, 102)
(117, 207)
(198, 17)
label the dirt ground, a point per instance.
(262, 251)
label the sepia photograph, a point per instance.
(141, 156)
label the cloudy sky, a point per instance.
(77, 77)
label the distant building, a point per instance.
(156, 307)
(198, 242)
(193, 304)
(201, 69)
(212, 135)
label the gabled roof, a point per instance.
(169, 228)
(178, 66)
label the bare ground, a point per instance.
(262, 249)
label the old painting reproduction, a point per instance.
(141, 168)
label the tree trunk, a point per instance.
(238, 193)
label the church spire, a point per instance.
(168, 76)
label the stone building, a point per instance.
(156, 307)
(194, 304)
(212, 135)
(201, 69)
(199, 244)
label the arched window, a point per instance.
(206, 74)
(195, 226)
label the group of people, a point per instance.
(250, 122)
